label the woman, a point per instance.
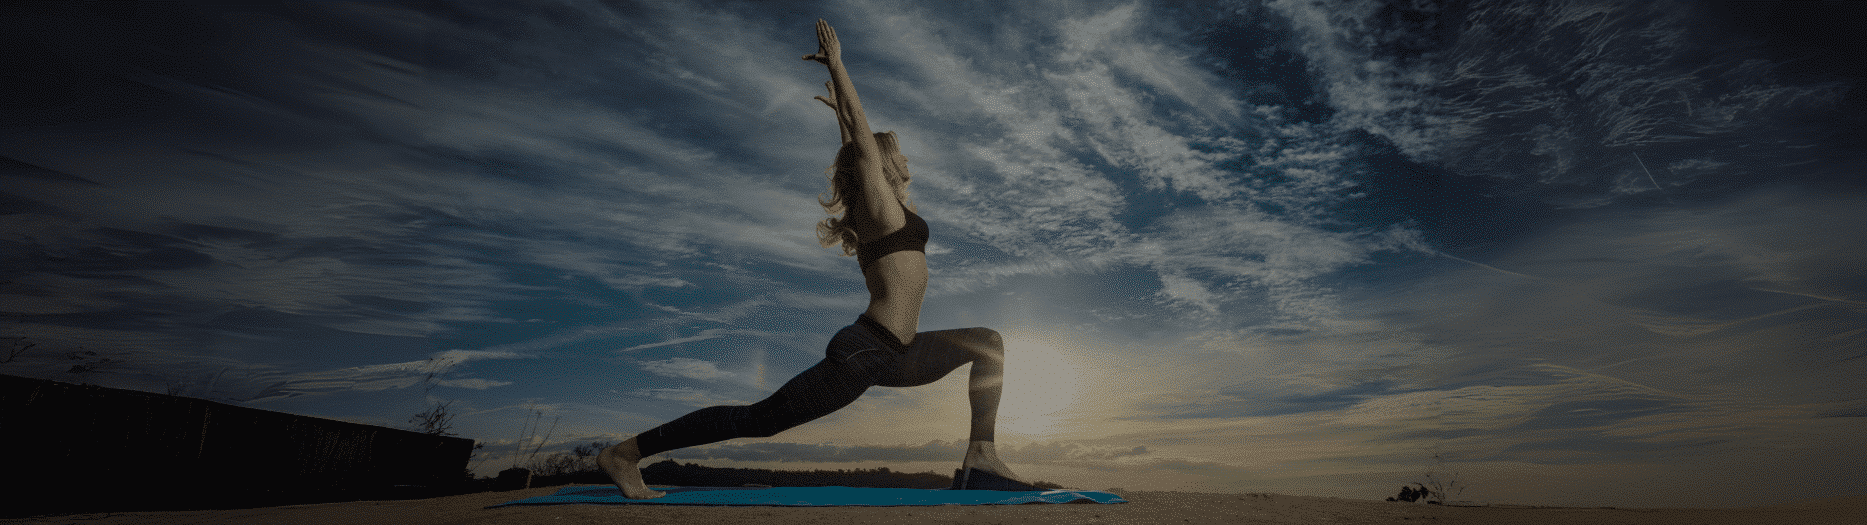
(869, 184)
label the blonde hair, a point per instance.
(846, 182)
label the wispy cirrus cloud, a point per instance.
(1443, 84)
(1093, 128)
(689, 396)
(702, 336)
(387, 376)
(685, 367)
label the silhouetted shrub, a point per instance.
(513, 479)
(1410, 494)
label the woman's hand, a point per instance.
(828, 49)
(842, 124)
(830, 101)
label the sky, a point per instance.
(1584, 253)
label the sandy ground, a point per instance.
(1143, 508)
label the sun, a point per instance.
(1040, 381)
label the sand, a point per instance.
(1144, 508)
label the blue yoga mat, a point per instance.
(816, 497)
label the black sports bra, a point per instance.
(911, 237)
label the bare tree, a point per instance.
(438, 420)
(586, 454)
(477, 457)
(16, 346)
(529, 430)
(581, 459)
(88, 362)
(1441, 483)
(556, 464)
(547, 439)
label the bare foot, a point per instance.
(983, 455)
(619, 462)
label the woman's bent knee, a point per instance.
(987, 336)
(989, 339)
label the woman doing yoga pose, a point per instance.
(868, 183)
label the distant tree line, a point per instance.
(671, 472)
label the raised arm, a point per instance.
(883, 212)
(842, 123)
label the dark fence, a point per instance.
(82, 448)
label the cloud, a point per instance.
(1557, 93)
(1179, 288)
(472, 383)
(1060, 451)
(439, 197)
(1088, 133)
(383, 376)
(685, 367)
(449, 359)
(802, 452)
(1616, 335)
(702, 336)
(686, 396)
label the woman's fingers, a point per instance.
(826, 39)
(829, 101)
(827, 47)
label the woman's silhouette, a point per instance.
(868, 183)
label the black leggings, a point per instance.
(860, 356)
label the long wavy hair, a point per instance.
(846, 184)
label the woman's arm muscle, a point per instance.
(884, 214)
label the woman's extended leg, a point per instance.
(830, 385)
(935, 354)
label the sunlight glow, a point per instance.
(1040, 381)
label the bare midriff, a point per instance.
(897, 285)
